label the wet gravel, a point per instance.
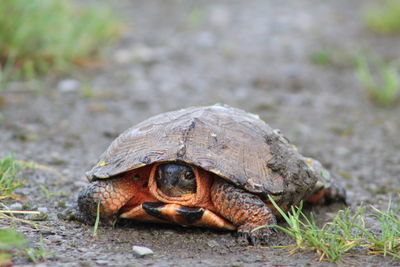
(254, 55)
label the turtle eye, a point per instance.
(189, 175)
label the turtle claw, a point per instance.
(253, 240)
(247, 235)
(243, 237)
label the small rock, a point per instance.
(85, 264)
(220, 16)
(68, 85)
(89, 255)
(123, 56)
(16, 206)
(56, 160)
(102, 262)
(45, 231)
(82, 249)
(145, 54)
(342, 151)
(55, 238)
(206, 39)
(142, 251)
(169, 233)
(212, 243)
(43, 210)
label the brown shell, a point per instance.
(229, 142)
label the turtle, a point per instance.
(208, 166)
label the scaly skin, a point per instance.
(109, 193)
(244, 210)
(114, 195)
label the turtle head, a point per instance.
(176, 179)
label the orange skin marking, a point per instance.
(317, 198)
(200, 199)
(210, 219)
(138, 213)
(138, 186)
(138, 190)
(243, 209)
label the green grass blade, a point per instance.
(96, 223)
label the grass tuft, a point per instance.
(39, 254)
(9, 181)
(39, 35)
(321, 58)
(196, 17)
(46, 192)
(345, 233)
(384, 18)
(383, 85)
(9, 240)
(387, 241)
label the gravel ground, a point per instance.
(254, 55)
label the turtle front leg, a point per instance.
(244, 210)
(111, 195)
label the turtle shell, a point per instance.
(229, 142)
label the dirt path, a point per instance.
(254, 55)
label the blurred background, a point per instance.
(75, 74)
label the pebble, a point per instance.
(212, 243)
(89, 255)
(68, 85)
(146, 54)
(168, 233)
(102, 262)
(123, 56)
(55, 238)
(139, 52)
(220, 16)
(142, 251)
(43, 210)
(342, 151)
(206, 39)
(16, 206)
